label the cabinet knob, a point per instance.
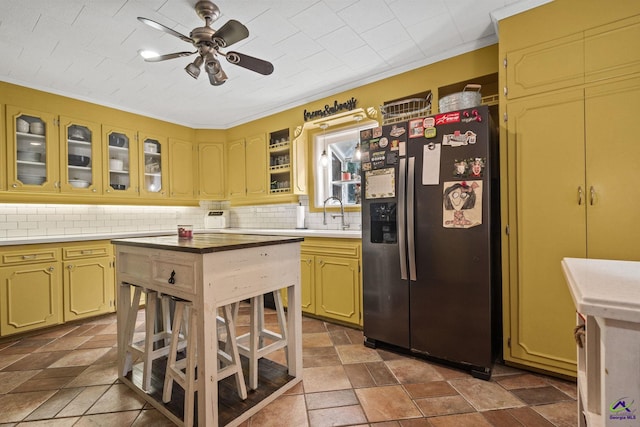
(94, 190)
(70, 267)
(51, 269)
(15, 185)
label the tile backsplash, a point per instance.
(33, 220)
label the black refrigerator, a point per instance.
(430, 238)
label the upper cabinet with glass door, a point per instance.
(121, 167)
(32, 161)
(279, 162)
(81, 156)
(153, 167)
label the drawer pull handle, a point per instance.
(86, 252)
(172, 279)
(28, 256)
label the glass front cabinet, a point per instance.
(120, 152)
(80, 155)
(153, 170)
(32, 155)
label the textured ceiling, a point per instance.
(88, 50)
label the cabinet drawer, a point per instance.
(332, 248)
(85, 252)
(181, 271)
(30, 256)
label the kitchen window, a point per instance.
(337, 165)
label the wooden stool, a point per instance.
(252, 345)
(185, 331)
(184, 371)
(156, 342)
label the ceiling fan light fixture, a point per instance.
(217, 76)
(193, 69)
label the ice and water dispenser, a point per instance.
(383, 223)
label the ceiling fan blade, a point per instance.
(230, 33)
(168, 56)
(157, 26)
(250, 63)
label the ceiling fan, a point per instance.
(208, 43)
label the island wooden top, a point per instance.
(206, 243)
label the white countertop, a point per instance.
(604, 288)
(348, 234)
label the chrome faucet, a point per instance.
(345, 225)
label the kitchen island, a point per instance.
(213, 270)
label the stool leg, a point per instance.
(150, 321)
(166, 317)
(231, 348)
(130, 327)
(282, 321)
(173, 352)
(190, 372)
(254, 340)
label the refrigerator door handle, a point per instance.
(402, 245)
(411, 218)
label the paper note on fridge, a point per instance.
(431, 164)
(380, 183)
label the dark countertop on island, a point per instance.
(206, 242)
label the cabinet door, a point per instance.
(547, 219)
(546, 66)
(299, 164)
(236, 167)
(307, 283)
(256, 165)
(30, 297)
(181, 169)
(88, 288)
(32, 154)
(612, 152)
(120, 162)
(80, 156)
(337, 288)
(211, 171)
(153, 166)
(607, 52)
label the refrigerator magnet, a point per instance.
(460, 168)
(366, 134)
(383, 142)
(380, 183)
(462, 204)
(377, 132)
(395, 145)
(416, 129)
(430, 132)
(476, 167)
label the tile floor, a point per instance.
(66, 376)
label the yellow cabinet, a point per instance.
(32, 154)
(153, 166)
(30, 289)
(88, 280)
(337, 283)
(331, 279)
(307, 281)
(211, 171)
(120, 152)
(80, 156)
(545, 67)
(569, 199)
(247, 168)
(181, 169)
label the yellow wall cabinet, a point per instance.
(247, 168)
(32, 155)
(564, 177)
(279, 158)
(121, 168)
(181, 169)
(153, 165)
(211, 171)
(48, 284)
(31, 289)
(88, 280)
(331, 279)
